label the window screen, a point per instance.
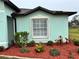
(40, 27)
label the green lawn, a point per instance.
(7, 58)
(74, 33)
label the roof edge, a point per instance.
(46, 10)
(11, 5)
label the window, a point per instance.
(39, 27)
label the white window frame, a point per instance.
(39, 37)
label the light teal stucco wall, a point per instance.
(3, 26)
(8, 10)
(4, 11)
(10, 26)
(58, 25)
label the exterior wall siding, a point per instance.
(4, 12)
(3, 26)
(8, 10)
(58, 25)
(10, 27)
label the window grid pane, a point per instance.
(40, 27)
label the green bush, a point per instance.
(49, 43)
(54, 52)
(21, 38)
(39, 48)
(24, 50)
(76, 42)
(31, 43)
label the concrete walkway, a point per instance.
(18, 57)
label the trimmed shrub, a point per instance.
(21, 38)
(31, 43)
(24, 50)
(49, 43)
(1, 48)
(54, 52)
(39, 48)
(76, 42)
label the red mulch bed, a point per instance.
(64, 52)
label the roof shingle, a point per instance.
(29, 11)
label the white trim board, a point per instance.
(37, 17)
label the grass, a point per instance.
(7, 58)
(74, 33)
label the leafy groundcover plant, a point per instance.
(24, 50)
(49, 43)
(31, 43)
(54, 52)
(39, 48)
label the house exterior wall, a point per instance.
(4, 11)
(8, 10)
(58, 25)
(10, 26)
(3, 26)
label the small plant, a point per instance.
(49, 43)
(31, 43)
(54, 52)
(78, 50)
(71, 56)
(1, 48)
(59, 40)
(76, 42)
(39, 48)
(24, 50)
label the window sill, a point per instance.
(40, 37)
